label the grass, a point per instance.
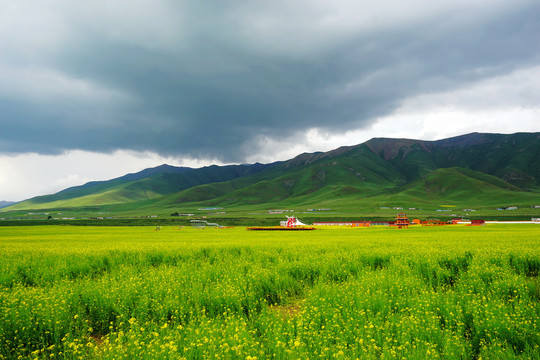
(338, 189)
(132, 292)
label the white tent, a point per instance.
(292, 222)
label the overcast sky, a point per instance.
(94, 90)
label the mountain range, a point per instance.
(475, 169)
(4, 204)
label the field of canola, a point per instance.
(451, 292)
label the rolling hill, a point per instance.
(473, 169)
(4, 204)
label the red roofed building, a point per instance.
(402, 221)
(478, 222)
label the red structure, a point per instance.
(402, 221)
(478, 222)
(366, 223)
(291, 222)
(433, 222)
(280, 228)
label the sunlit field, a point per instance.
(453, 292)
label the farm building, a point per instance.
(433, 222)
(351, 223)
(361, 223)
(478, 222)
(384, 223)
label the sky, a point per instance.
(94, 90)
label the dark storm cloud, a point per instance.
(208, 81)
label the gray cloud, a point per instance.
(204, 79)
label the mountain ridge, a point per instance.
(4, 203)
(376, 167)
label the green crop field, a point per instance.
(452, 292)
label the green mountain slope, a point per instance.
(352, 170)
(4, 203)
(148, 184)
(96, 187)
(479, 168)
(514, 158)
(457, 186)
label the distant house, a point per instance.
(351, 223)
(478, 222)
(383, 223)
(433, 222)
(361, 223)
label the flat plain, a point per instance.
(451, 292)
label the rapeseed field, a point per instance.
(451, 292)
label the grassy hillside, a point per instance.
(514, 158)
(358, 172)
(148, 184)
(474, 170)
(459, 187)
(6, 203)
